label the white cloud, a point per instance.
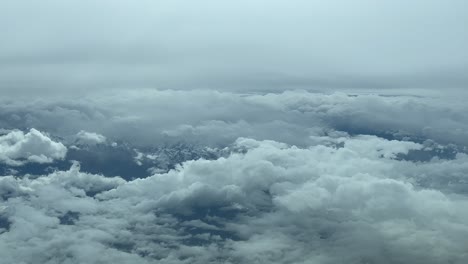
(18, 148)
(353, 202)
(89, 138)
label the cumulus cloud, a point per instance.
(89, 138)
(353, 201)
(18, 148)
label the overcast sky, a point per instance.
(234, 45)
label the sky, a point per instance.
(232, 45)
(257, 131)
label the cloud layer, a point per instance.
(346, 201)
(149, 117)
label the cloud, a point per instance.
(233, 132)
(18, 148)
(218, 118)
(89, 138)
(266, 202)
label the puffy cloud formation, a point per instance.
(18, 148)
(89, 138)
(349, 199)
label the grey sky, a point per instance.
(235, 45)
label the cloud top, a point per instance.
(18, 148)
(266, 202)
(89, 138)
